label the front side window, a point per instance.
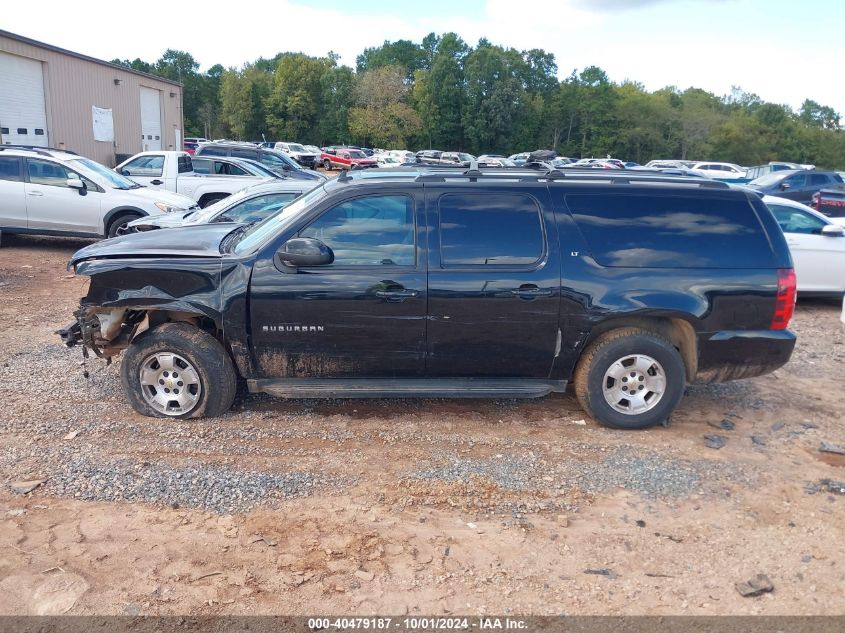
(228, 169)
(258, 208)
(148, 166)
(793, 220)
(795, 180)
(43, 172)
(483, 230)
(369, 231)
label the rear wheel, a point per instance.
(119, 225)
(179, 371)
(630, 378)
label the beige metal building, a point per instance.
(52, 97)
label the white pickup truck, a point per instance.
(174, 171)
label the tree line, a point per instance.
(445, 94)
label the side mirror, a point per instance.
(784, 186)
(833, 230)
(304, 251)
(75, 183)
(125, 172)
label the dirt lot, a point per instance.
(394, 507)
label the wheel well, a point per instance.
(678, 331)
(114, 214)
(208, 198)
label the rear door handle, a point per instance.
(34, 193)
(397, 295)
(529, 291)
(156, 182)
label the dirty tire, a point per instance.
(612, 346)
(327, 165)
(216, 372)
(118, 225)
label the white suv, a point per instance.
(54, 192)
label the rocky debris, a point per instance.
(602, 571)
(725, 424)
(757, 586)
(758, 440)
(828, 447)
(364, 575)
(714, 441)
(70, 436)
(640, 523)
(826, 485)
(25, 487)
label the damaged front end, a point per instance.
(104, 331)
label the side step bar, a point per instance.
(406, 387)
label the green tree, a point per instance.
(381, 116)
(293, 108)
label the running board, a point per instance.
(406, 387)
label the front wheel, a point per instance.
(177, 370)
(120, 225)
(630, 378)
(327, 165)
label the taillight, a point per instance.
(785, 301)
(816, 204)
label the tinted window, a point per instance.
(202, 165)
(212, 151)
(244, 152)
(795, 180)
(671, 231)
(793, 220)
(184, 165)
(258, 208)
(371, 231)
(144, 166)
(10, 168)
(485, 229)
(819, 179)
(228, 169)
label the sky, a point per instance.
(782, 50)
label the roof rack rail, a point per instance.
(438, 174)
(35, 148)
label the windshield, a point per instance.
(276, 223)
(101, 172)
(275, 159)
(356, 153)
(463, 156)
(296, 147)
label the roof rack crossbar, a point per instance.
(498, 173)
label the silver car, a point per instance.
(246, 206)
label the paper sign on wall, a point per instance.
(103, 124)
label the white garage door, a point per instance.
(150, 119)
(23, 117)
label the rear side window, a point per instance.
(201, 165)
(819, 179)
(490, 229)
(10, 168)
(184, 165)
(671, 231)
(212, 151)
(244, 153)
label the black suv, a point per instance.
(443, 283)
(278, 162)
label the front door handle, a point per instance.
(397, 295)
(156, 182)
(530, 291)
(34, 193)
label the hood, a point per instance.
(199, 240)
(167, 197)
(163, 220)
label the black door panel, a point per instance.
(494, 283)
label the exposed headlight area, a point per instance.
(166, 208)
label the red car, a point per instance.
(345, 158)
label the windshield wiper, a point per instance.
(232, 239)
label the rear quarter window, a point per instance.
(671, 231)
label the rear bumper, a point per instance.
(734, 354)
